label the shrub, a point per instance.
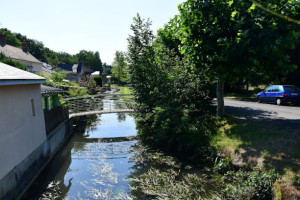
(98, 81)
(58, 76)
(174, 131)
(73, 92)
(249, 185)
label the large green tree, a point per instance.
(171, 99)
(119, 69)
(230, 39)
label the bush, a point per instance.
(173, 131)
(73, 92)
(249, 185)
(57, 76)
(98, 81)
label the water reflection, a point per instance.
(87, 168)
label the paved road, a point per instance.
(263, 111)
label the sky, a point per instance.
(93, 25)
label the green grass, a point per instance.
(127, 91)
(272, 146)
(236, 134)
(123, 89)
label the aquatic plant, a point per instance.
(53, 191)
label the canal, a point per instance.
(92, 164)
(103, 159)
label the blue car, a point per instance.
(279, 94)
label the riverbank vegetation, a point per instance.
(174, 76)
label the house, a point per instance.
(21, 109)
(74, 72)
(20, 55)
(29, 134)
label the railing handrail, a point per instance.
(97, 95)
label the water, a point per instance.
(89, 169)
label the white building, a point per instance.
(21, 119)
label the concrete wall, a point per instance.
(18, 180)
(22, 125)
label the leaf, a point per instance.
(230, 2)
(233, 14)
(252, 8)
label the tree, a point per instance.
(91, 59)
(228, 39)
(171, 100)
(141, 66)
(119, 69)
(11, 38)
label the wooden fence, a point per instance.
(54, 117)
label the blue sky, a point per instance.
(73, 25)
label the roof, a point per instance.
(10, 75)
(17, 53)
(50, 90)
(75, 68)
(96, 73)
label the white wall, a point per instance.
(20, 132)
(36, 67)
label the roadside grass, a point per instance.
(265, 144)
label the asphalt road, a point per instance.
(263, 111)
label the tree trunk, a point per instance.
(220, 98)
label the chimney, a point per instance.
(24, 46)
(2, 40)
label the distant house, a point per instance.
(20, 55)
(74, 71)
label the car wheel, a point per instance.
(258, 99)
(278, 101)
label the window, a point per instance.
(269, 89)
(32, 107)
(291, 88)
(275, 89)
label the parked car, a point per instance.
(279, 94)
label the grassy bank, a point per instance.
(268, 145)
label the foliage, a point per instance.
(90, 58)
(249, 185)
(53, 191)
(11, 62)
(57, 76)
(119, 69)
(166, 185)
(223, 165)
(48, 81)
(230, 40)
(90, 85)
(172, 101)
(98, 80)
(44, 54)
(73, 92)
(11, 38)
